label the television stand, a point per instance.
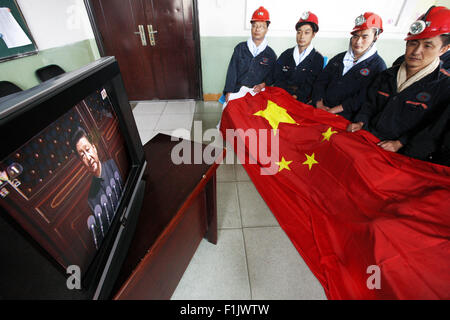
(178, 211)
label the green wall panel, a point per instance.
(70, 57)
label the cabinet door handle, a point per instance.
(142, 34)
(151, 33)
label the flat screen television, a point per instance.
(71, 185)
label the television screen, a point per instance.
(65, 184)
(70, 169)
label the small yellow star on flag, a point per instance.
(310, 161)
(283, 164)
(327, 134)
(275, 115)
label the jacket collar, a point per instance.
(300, 57)
(435, 75)
(349, 60)
(357, 67)
(254, 50)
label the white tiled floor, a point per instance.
(253, 259)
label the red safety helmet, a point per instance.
(308, 17)
(433, 23)
(368, 20)
(261, 14)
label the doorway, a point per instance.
(156, 43)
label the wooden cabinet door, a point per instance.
(156, 43)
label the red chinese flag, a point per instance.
(370, 224)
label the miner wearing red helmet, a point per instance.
(252, 62)
(342, 85)
(408, 105)
(297, 68)
(420, 25)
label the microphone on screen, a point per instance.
(104, 201)
(112, 182)
(98, 213)
(91, 226)
(109, 194)
(117, 177)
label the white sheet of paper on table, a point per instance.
(11, 32)
(237, 95)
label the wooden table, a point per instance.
(179, 210)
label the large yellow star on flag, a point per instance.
(310, 161)
(327, 134)
(283, 164)
(275, 115)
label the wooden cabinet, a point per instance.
(179, 210)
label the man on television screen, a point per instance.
(106, 185)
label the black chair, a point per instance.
(7, 88)
(49, 72)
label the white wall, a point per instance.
(222, 18)
(336, 18)
(55, 23)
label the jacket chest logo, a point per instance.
(264, 61)
(364, 72)
(423, 96)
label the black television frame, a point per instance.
(26, 114)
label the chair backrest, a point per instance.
(49, 72)
(325, 61)
(7, 88)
